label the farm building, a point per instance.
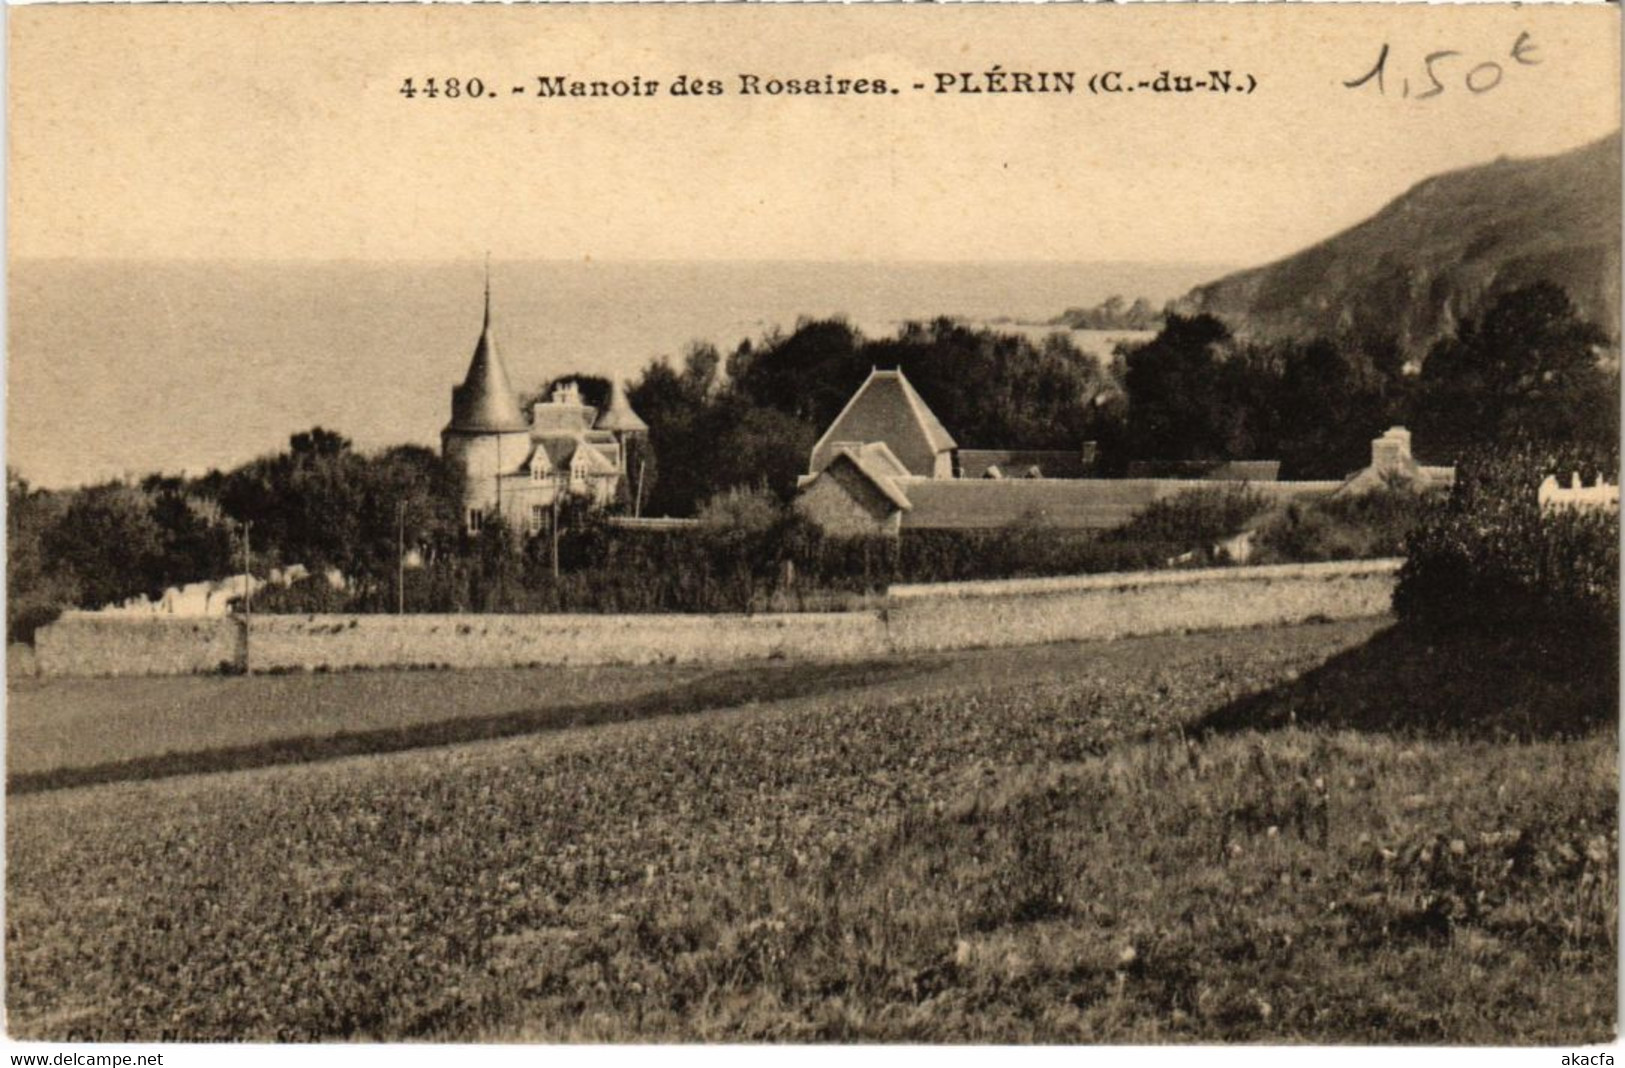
(887, 464)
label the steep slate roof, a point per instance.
(620, 416)
(485, 403)
(887, 409)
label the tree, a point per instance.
(109, 542)
(1178, 408)
(808, 374)
(1530, 367)
(196, 538)
(758, 447)
(37, 587)
(321, 504)
(1329, 400)
(680, 447)
(318, 442)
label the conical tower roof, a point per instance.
(485, 402)
(619, 416)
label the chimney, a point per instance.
(1392, 451)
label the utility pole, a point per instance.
(558, 490)
(248, 594)
(637, 499)
(400, 558)
(248, 576)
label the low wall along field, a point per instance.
(467, 641)
(1034, 611)
(88, 643)
(916, 619)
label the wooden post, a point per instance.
(248, 575)
(400, 558)
(248, 591)
(558, 488)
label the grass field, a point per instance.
(1270, 835)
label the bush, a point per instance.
(750, 554)
(1488, 556)
(1359, 527)
(1193, 517)
(309, 596)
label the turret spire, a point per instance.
(486, 402)
(619, 416)
(487, 324)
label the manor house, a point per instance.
(518, 468)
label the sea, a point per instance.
(119, 369)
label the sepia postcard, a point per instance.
(1034, 525)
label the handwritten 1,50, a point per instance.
(1450, 69)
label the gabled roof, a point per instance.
(485, 402)
(573, 452)
(879, 467)
(886, 408)
(560, 449)
(589, 460)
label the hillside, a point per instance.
(1439, 252)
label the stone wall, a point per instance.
(90, 643)
(465, 641)
(918, 618)
(1032, 611)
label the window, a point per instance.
(538, 516)
(475, 519)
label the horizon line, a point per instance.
(477, 258)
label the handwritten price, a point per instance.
(1446, 64)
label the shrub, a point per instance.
(1358, 527)
(313, 595)
(750, 554)
(1488, 556)
(1193, 517)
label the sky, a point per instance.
(277, 133)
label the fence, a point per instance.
(1552, 494)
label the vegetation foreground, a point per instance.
(1110, 852)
